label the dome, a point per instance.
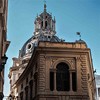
(81, 41)
(44, 31)
(28, 47)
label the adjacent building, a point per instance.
(49, 68)
(3, 42)
(97, 78)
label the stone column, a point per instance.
(55, 80)
(70, 81)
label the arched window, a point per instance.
(46, 24)
(35, 79)
(62, 77)
(26, 93)
(41, 24)
(51, 80)
(74, 82)
(21, 96)
(31, 89)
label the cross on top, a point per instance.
(44, 1)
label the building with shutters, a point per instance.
(49, 68)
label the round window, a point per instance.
(29, 46)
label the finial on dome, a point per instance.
(45, 6)
(54, 19)
(37, 15)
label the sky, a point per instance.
(71, 16)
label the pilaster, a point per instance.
(78, 68)
(41, 80)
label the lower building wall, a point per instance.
(41, 80)
(63, 97)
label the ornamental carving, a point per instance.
(69, 61)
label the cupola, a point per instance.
(44, 24)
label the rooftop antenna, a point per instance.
(79, 34)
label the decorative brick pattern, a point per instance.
(83, 75)
(41, 73)
(78, 98)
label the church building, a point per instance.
(49, 68)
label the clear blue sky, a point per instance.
(71, 16)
